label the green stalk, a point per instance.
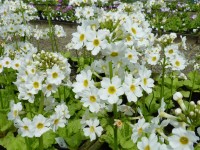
(1, 99)
(163, 76)
(41, 144)
(41, 104)
(59, 93)
(194, 76)
(50, 29)
(27, 143)
(41, 107)
(55, 41)
(114, 110)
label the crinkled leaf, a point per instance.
(13, 143)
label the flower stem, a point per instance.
(114, 110)
(41, 104)
(115, 127)
(41, 144)
(163, 76)
(27, 143)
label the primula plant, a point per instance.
(125, 90)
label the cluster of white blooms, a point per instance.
(181, 138)
(44, 71)
(174, 58)
(39, 124)
(14, 17)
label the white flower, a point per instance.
(1, 66)
(132, 88)
(55, 75)
(147, 82)
(93, 129)
(178, 63)
(7, 62)
(153, 58)
(15, 109)
(48, 89)
(83, 81)
(25, 127)
(171, 50)
(59, 31)
(111, 90)
(56, 120)
(96, 41)
(62, 109)
(139, 129)
(90, 98)
(79, 37)
(182, 139)
(15, 64)
(34, 83)
(150, 143)
(40, 124)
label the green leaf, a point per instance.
(75, 140)
(5, 124)
(74, 126)
(13, 143)
(49, 139)
(128, 144)
(185, 94)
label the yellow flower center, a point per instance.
(133, 30)
(92, 129)
(132, 88)
(82, 37)
(15, 113)
(32, 70)
(96, 42)
(92, 99)
(55, 75)
(145, 81)
(184, 140)
(140, 130)
(1, 66)
(7, 62)
(130, 56)
(36, 85)
(177, 63)
(128, 38)
(85, 83)
(56, 121)
(153, 58)
(40, 125)
(111, 90)
(147, 148)
(16, 65)
(49, 87)
(114, 54)
(171, 51)
(25, 128)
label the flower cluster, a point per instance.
(44, 71)
(39, 124)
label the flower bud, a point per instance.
(192, 103)
(198, 102)
(178, 111)
(191, 113)
(177, 96)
